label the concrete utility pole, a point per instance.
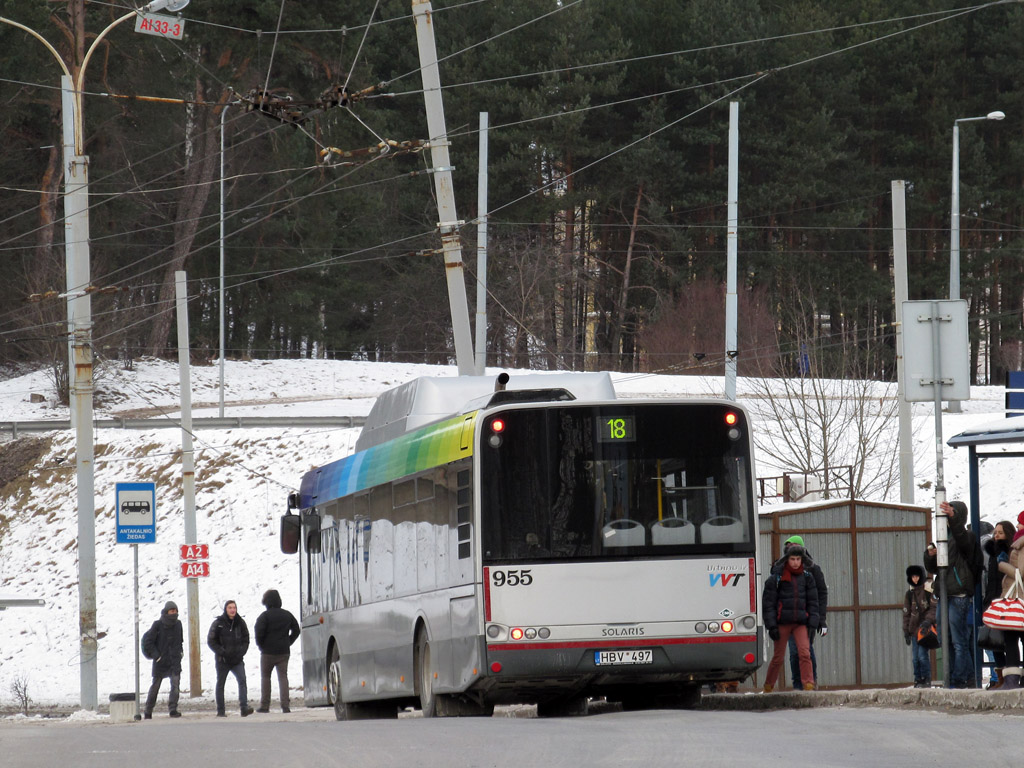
(448, 223)
(481, 252)
(732, 246)
(188, 478)
(899, 258)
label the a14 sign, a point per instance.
(195, 568)
(194, 560)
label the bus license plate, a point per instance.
(607, 658)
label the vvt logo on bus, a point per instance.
(725, 579)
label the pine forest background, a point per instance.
(607, 179)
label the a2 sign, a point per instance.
(194, 563)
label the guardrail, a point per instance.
(212, 422)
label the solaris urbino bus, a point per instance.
(533, 540)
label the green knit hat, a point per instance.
(798, 540)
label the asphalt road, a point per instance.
(854, 737)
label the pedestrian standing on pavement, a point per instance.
(918, 612)
(1011, 640)
(822, 629)
(276, 630)
(790, 602)
(997, 550)
(164, 643)
(228, 638)
(963, 572)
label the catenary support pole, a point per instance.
(732, 240)
(899, 259)
(481, 251)
(188, 479)
(220, 290)
(448, 223)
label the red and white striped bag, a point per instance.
(1007, 612)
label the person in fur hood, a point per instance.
(918, 611)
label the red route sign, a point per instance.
(195, 551)
(193, 570)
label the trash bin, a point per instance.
(122, 707)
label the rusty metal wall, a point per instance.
(863, 549)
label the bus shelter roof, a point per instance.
(1003, 431)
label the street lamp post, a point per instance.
(954, 220)
(76, 243)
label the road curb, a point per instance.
(923, 698)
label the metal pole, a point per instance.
(954, 235)
(481, 251)
(941, 521)
(732, 239)
(899, 259)
(954, 220)
(448, 223)
(221, 290)
(188, 479)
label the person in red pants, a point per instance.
(790, 602)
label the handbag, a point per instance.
(1007, 612)
(990, 639)
(928, 637)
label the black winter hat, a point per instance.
(272, 598)
(795, 549)
(915, 570)
(169, 606)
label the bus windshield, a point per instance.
(597, 482)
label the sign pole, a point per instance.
(135, 552)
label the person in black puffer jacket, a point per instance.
(164, 643)
(276, 630)
(790, 603)
(228, 638)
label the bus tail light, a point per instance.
(727, 626)
(516, 633)
(749, 658)
(496, 666)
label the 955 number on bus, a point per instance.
(515, 578)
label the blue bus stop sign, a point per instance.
(135, 512)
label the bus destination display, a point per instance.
(616, 429)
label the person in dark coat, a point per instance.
(164, 643)
(228, 638)
(276, 630)
(918, 611)
(822, 628)
(790, 602)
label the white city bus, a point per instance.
(542, 542)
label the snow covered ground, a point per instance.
(243, 477)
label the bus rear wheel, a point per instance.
(424, 676)
(333, 676)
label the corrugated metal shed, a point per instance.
(864, 549)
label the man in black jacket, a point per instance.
(964, 571)
(276, 630)
(228, 638)
(164, 644)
